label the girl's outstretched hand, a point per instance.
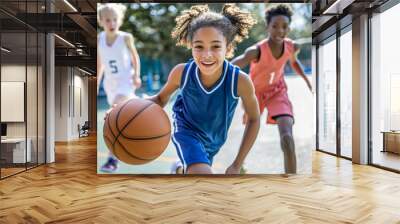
(232, 169)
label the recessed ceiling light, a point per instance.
(335, 7)
(86, 72)
(5, 49)
(64, 40)
(71, 6)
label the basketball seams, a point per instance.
(106, 137)
(129, 121)
(118, 113)
(134, 156)
(116, 126)
(143, 137)
(117, 138)
(109, 126)
(109, 140)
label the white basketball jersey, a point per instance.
(118, 69)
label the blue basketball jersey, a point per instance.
(206, 113)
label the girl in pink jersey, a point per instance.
(267, 60)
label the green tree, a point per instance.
(151, 25)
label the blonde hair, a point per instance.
(231, 21)
(118, 8)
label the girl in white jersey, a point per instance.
(118, 60)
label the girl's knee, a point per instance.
(287, 136)
(287, 142)
(199, 168)
(285, 125)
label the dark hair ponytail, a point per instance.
(232, 22)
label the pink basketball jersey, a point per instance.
(267, 72)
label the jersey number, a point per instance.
(114, 68)
(271, 79)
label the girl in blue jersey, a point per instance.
(210, 87)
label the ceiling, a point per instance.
(328, 15)
(74, 22)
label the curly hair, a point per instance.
(232, 22)
(280, 10)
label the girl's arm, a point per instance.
(251, 54)
(248, 97)
(135, 60)
(100, 70)
(296, 65)
(172, 84)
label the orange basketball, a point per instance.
(137, 131)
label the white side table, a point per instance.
(19, 149)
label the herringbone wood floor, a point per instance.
(70, 191)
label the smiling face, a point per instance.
(278, 28)
(209, 48)
(109, 21)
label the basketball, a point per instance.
(137, 131)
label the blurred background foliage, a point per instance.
(151, 25)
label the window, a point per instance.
(385, 87)
(346, 75)
(327, 96)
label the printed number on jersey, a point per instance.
(113, 66)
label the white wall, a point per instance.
(71, 94)
(61, 103)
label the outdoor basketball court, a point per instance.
(265, 157)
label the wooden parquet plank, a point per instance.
(70, 191)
